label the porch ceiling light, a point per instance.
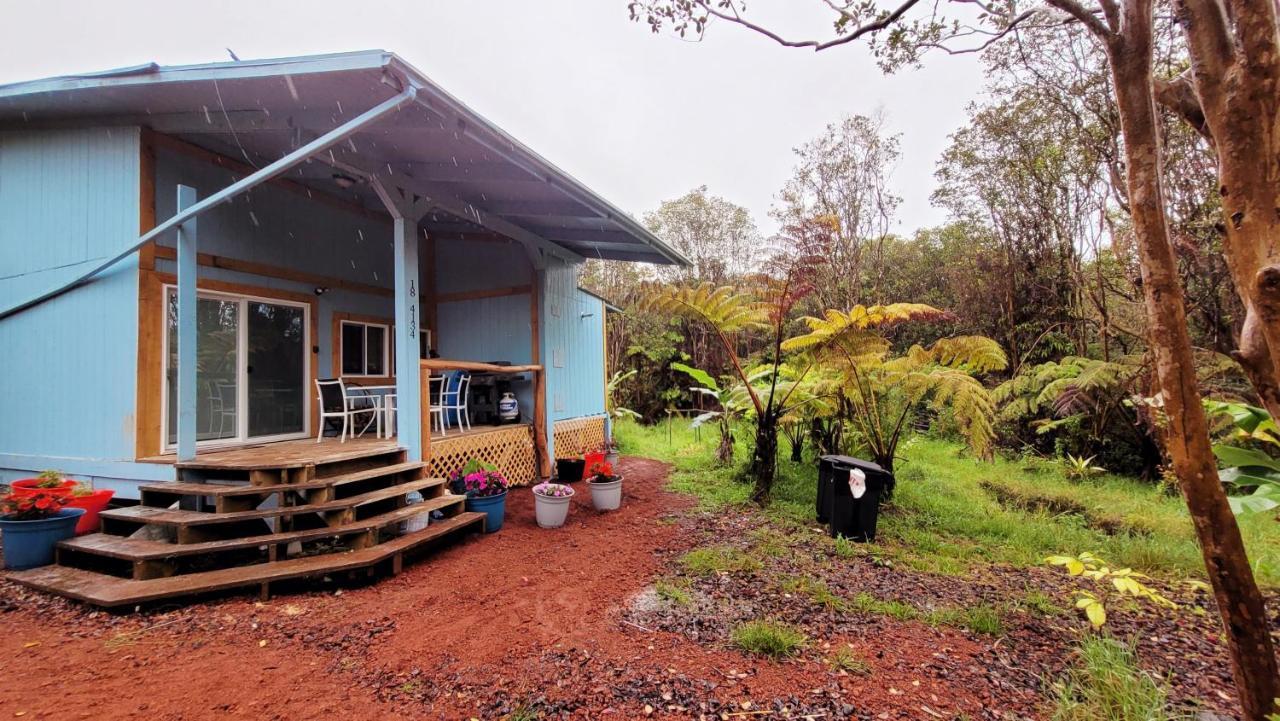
(344, 181)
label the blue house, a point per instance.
(185, 251)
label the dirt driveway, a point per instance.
(523, 619)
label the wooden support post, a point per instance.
(540, 423)
(187, 300)
(424, 383)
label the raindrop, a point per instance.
(375, 275)
(207, 118)
(455, 161)
(25, 119)
(389, 171)
(339, 107)
(353, 263)
(352, 143)
(254, 218)
(288, 80)
(360, 232)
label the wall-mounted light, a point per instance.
(321, 290)
(344, 181)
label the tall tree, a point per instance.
(843, 174)
(720, 237)
(1235, 68)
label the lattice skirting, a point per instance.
(510, 448)
(576, 436)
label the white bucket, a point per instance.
(551, 511)
(606, 496)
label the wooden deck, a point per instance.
(283, 454)
(305, 451)
(258, 515)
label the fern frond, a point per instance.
(968, 400)
(723, 307)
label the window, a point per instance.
(364, 349)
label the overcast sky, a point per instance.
(638, 117)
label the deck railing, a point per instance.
(432, 365)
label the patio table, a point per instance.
(386, 422)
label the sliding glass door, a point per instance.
(251, 369)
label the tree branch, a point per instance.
(1179, 95)
(873, 27)
(1086, 17)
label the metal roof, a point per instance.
(483, 181)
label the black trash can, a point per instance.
(855, 518)
(828, 468)
(570, 470)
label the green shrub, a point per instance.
(844, 659)
(767, 638)
(1109, 686)
(672, 593)
(717, 559)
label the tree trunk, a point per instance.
(1239, 601)
(764, 457)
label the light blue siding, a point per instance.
(67, 198)
(485, 329)
(574, 345)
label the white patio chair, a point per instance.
(453, 400)
(336, 403)
(435, 392)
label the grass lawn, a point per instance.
(952, 514)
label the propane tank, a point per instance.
(508, 408)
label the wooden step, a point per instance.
(124, 521)
(286, 463)
(228, 497)
(140, 549)
(109, 591)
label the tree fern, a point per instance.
(725, 309)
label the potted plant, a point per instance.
(606, 488)
(93, 502)
(551, 504)
(485, 489)
(611, 451)
(590, 459)
(51, 482)
(32, 524)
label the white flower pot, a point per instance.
(606, 496)
(551, 511)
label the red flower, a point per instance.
(43, 503)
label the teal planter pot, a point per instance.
(28, 544)
(493, 506)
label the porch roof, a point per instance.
(481, 181)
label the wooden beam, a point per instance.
(540, 423)
(484, 293)
(445, 364)
(277, 272)
(430, 299)
(151, 322)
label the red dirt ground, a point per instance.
(527, 615)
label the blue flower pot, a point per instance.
(28, 544)
(493, 506)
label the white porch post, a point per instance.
(407, 210)
(187, 300)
